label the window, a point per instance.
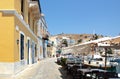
(22, 7)
(29, 18)
(21, 46)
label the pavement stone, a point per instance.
(44, 69)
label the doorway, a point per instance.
(21, 46)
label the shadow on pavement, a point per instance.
(64, 74)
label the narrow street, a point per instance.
(45, 69)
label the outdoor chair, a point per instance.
(77, 75)
(94, 74)
(74, 69)
(101, 75)
(88, 75)
(111, 75)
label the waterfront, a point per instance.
(30, 43)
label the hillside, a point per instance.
(79, 38)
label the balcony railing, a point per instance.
(45, 37)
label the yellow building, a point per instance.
(18, 34)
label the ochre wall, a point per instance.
(18, 8)
(7, 4)
(27, 33)
(9, 49)
(17, 5)
(6, 38)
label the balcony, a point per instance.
(34, 9)
(49, 45)
(45, 37)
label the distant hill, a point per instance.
(79, 38)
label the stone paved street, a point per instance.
(45, 69)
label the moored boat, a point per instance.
(99, 62)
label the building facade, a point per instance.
(43, 36)
(20, 41)
(54, 45)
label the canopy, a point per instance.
(84, 48)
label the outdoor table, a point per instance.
(90, 70)
(69, 66)
(114, 78)
(90, 73)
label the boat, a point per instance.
(97, 61)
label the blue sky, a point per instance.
(82, 16)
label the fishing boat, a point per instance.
(98, 61)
